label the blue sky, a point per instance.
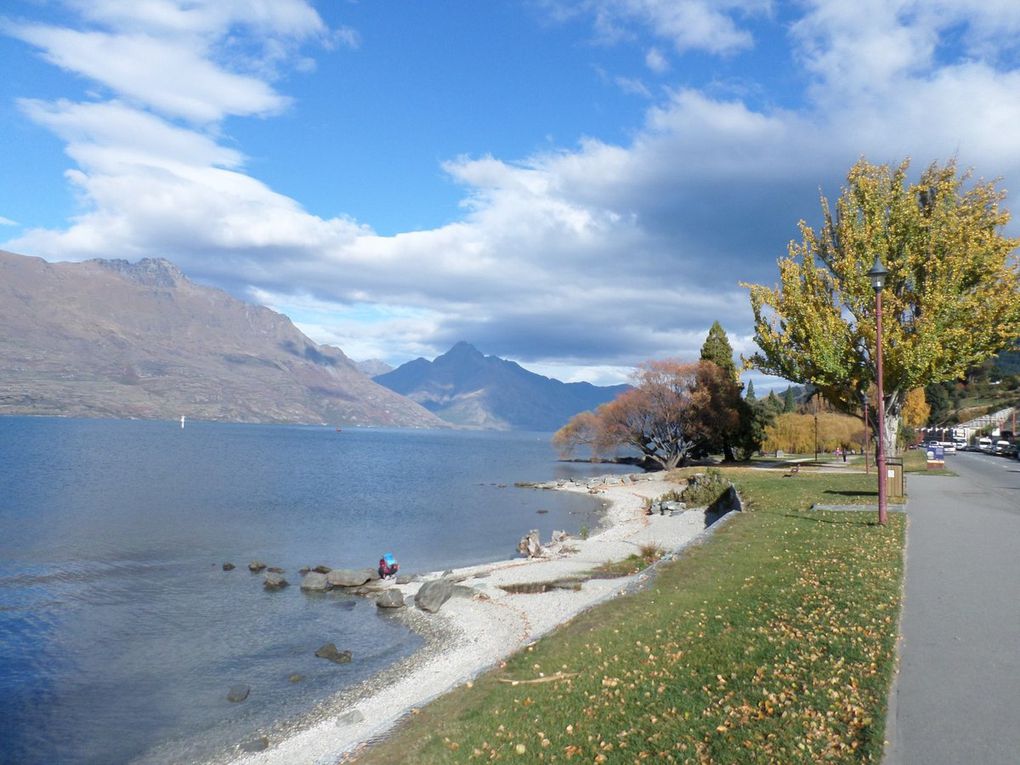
(578, 185)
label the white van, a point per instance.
(985, 444)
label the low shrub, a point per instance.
(704, 488)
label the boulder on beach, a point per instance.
(432, 594)
(228, 566)
(350, 718)
(351, 577)
(255, 566)
(329, 651)
(390, 599)
(275, 570)
(259, 744)
(404, 579)
(529, 546)
(322, 569)
(238, 693)
(314, 582)
(274, 581)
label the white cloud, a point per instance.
(656, 61)
(168, 76)
(7, 221)
(596, 256)
(706, 25)
(273, 18)
(633, 86)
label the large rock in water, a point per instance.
(432, 594)
(390, 599)
(329, 651)
(351, 577)
(314, 582)
(238, 693)
(274, 581)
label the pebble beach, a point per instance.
(484, 623)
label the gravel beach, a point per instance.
(478, 628)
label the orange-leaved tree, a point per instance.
(674, 409)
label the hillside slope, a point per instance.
(107, 338)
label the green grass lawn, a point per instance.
(773, 642)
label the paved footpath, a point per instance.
(956, 699)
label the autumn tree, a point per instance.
(673, 409)
(915, 409)
(950, 299)
(796, 433)
(584, 429)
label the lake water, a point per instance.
(120, 634)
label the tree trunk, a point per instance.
(892, 430)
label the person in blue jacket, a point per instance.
(388, 566)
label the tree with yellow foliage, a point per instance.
(951, 295)
(915, 409)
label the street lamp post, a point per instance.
(877, 276)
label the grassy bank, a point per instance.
(772, 642)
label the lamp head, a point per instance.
(877, 274)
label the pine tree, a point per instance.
(750, 397)
(718, 350)
(789, 401)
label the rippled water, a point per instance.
(121, 633)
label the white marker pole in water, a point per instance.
(182, 422)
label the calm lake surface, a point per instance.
(120, 634)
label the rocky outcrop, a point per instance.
(238, 693)
(330, 652)
(351, 577)
(391, 598)
(274, 581)
(255, 566)
(667, 507)
(228, 567)
(529, 546)
(314, 582)
(432, 594)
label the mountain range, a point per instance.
(108, 338)
(469, 389)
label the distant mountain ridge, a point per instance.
(469, 389)
(109, 338)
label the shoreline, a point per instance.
(483, 624)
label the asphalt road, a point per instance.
(956, 698)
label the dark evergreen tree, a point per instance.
(774, 403)
(750, 397)
(938, 402)
(718, 350)
(789, 401)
